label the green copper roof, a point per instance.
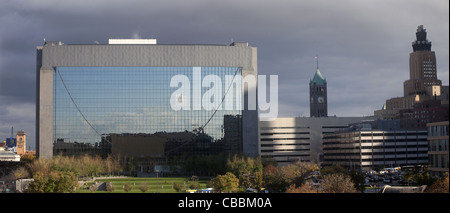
(318, 79)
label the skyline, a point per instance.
(363, 46)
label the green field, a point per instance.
(155, 185)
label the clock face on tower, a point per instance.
(20, 142)
(320, 99)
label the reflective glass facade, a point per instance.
(127, 110)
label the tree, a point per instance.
(21, 173)
(358, 180)
(280, 179)
(307, 187)
(55, 182)
(38, 185)
(225, 183)
(337, 183)
(66, 182)
(273, 179)
(248, 170)
(440, 185)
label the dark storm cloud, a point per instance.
(363, 46)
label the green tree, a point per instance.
(50, 184)
(358, 180)
(66, 182)
(57, 182)
(248, 170)
(38, 185)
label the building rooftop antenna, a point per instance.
(317, 60)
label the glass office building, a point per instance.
(133, 103)
(145, 99)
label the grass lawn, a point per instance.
(155, 185)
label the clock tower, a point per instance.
(21, 142)
(318, 95)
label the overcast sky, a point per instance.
(363, 46)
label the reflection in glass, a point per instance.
(126, 110)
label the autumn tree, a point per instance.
(337, 183)
(440, 185)
(280, 179)
(273, 179)
(248, 170)
(307, 187)
(225, 183)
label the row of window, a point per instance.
(438, 145)
(386, 160)
(395, 134)
(292, 144)
(386, 142)
(438, 161)
(277, 139)
(284, 133)
(441, 130)
(376, 147)
(284, 150)
(410, 153)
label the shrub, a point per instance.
(194, 185)
(144, 187)
(177, 186)
(127, 187)
(109, 187)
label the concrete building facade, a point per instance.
(438, 147)
(57, 89)
(290, 139)
(364, 148)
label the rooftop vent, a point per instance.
(131, 41)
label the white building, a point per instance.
(8, 156)
(293, 139)
(365, 148)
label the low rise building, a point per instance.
(291, 139)
(8, 156)
(363, 148)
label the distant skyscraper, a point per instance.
(422, 84)
(318, 95)
(422, 67)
